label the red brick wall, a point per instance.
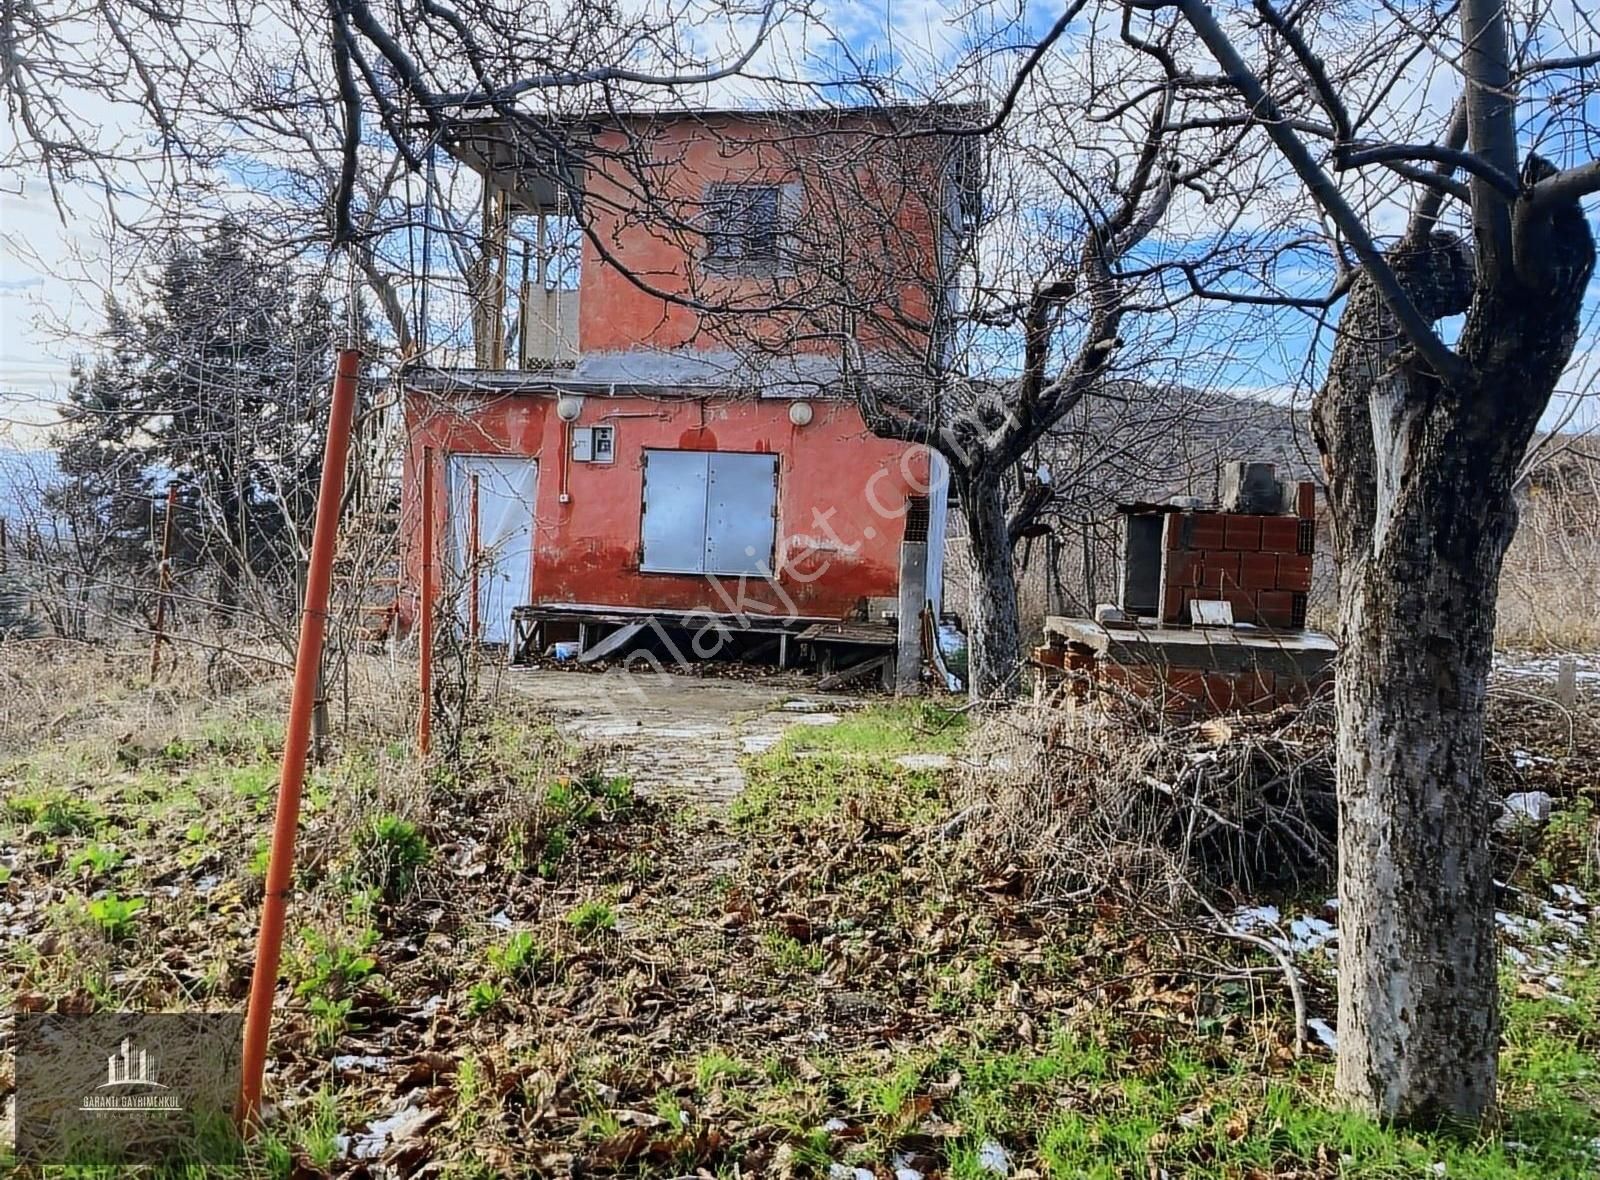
(1180, 691)
(1260, 565)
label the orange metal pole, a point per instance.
(472, 555)
(297, 739)
(425, 610)
(164, 578)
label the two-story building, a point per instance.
(676, 311)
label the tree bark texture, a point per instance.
(994, 644)
(1421, 485)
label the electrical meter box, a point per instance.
(594, 444)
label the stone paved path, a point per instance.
(671, 732)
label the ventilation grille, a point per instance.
(916, 518)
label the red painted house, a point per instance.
(659, 421)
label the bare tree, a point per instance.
(1421, 440)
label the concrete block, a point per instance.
(1219, 570)
(1250, 487)
(1244, 605)
(1172, 600)
(1204, 530)
(1276, 608)
(1221, 692)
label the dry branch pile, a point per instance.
(1107, 801)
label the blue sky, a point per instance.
(54, 273)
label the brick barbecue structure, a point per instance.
(1213, 605)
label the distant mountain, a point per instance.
(1141, 442)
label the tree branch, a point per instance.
(1505, 184)
(1491, 127)
(1570, 184)
(1417, 329)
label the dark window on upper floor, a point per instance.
(744, 223)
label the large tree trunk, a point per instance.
(1421, 481)
(994, 638)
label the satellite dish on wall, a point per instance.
(568, 407)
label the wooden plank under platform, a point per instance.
(528, 624)
(852, 634)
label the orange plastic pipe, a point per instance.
(425, 610)
(297, 739)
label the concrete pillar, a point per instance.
(913, 597)
(1567, 681)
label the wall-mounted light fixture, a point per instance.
(800, 413)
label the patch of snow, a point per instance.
(1304, 934)
(360, 1061)
(834, 1126)
(1567, 921)
(1516, 924)
(993, 1158)
(903, 1169)
(1523, 760)
(429, 1006)
(1546, 667)
(1253, 917)
(371, 1143)
(1311, 933)
(501, 921)
(1524, 807)
(1324, 1032)
(1569, 894)
(925, 761)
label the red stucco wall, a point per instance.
(864, 236)
(841, 497)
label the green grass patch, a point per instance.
(815, 772)
(883, 731)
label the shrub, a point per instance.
(389, 852)
(592, 917)
(332, 968)
(483, 997)
(518, 957)
(114, 915)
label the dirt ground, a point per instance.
(515, 963)
(666, 731)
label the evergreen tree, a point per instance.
(214, 377)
